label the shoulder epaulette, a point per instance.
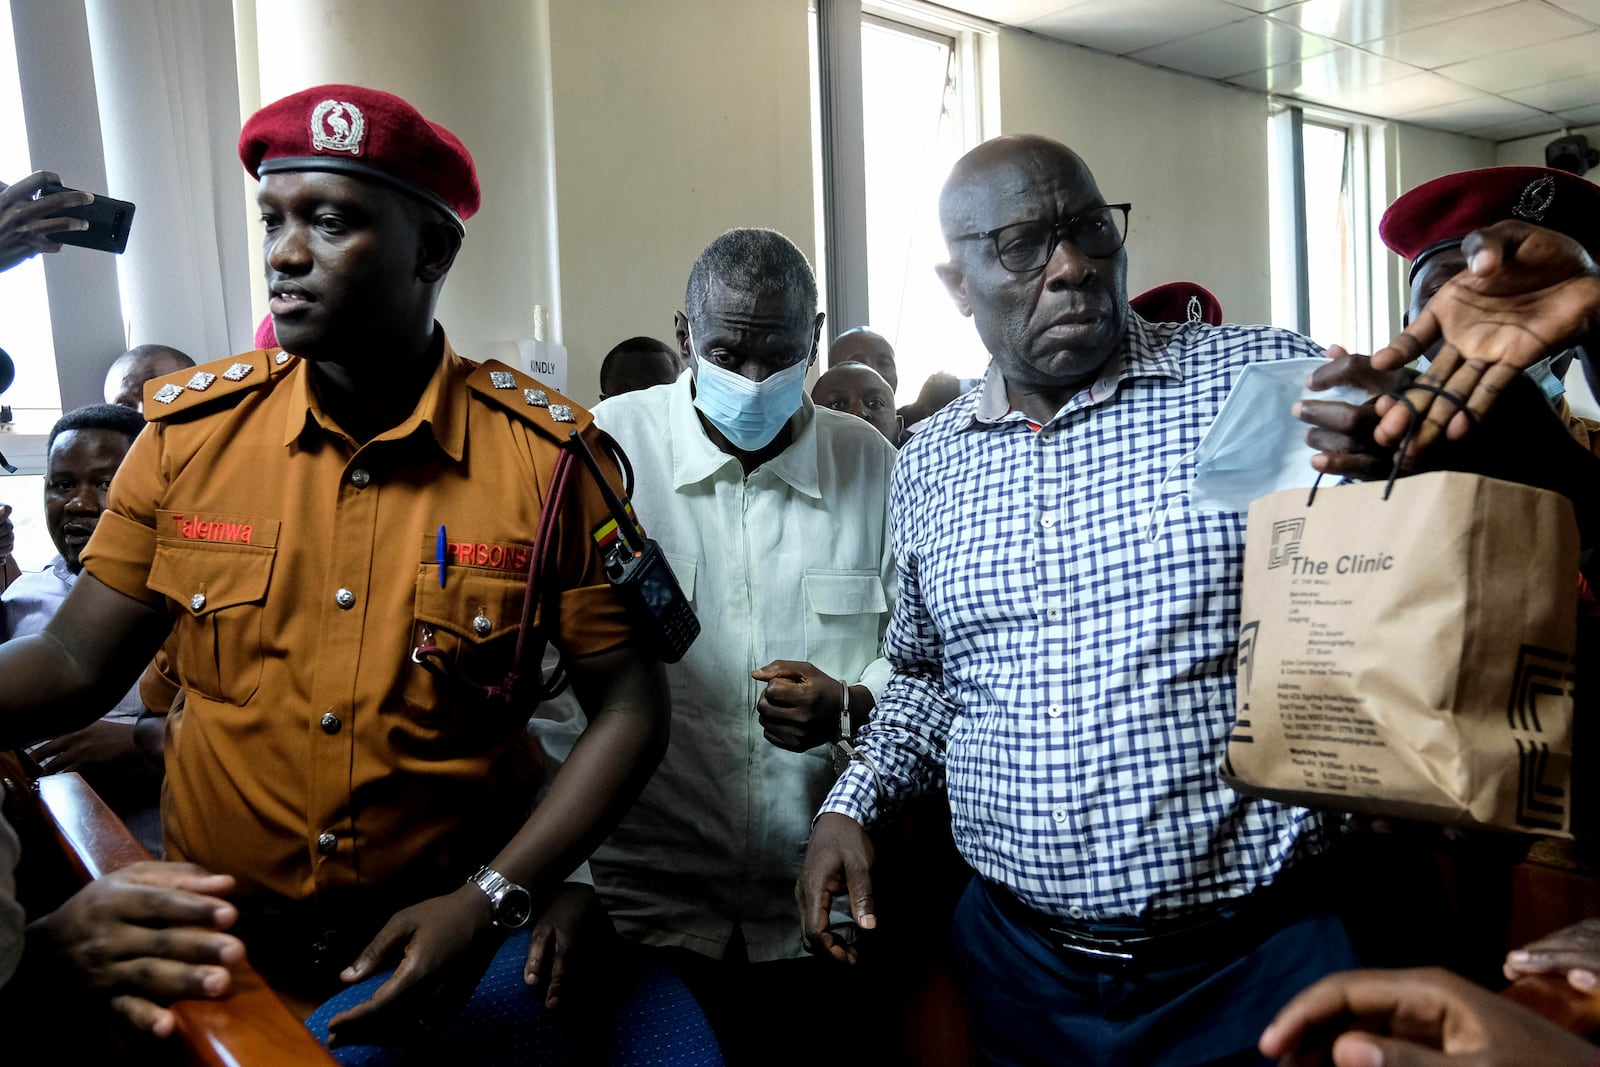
(188, 390)
(529, 400)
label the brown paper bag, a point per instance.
(1411, 657)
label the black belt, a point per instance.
(1228, 930)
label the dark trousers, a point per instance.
(802, 1012)
(1032, 1003)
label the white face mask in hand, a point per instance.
(1255, 446)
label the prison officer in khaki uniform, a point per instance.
(339, 539)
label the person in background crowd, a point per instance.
(82, 454)
(638, 363)
(856, 389)
(126, 376)
(937, 392)
(1426, 227)
(1178, 302)
(773, 513)
(863, 345)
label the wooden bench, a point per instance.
(249, 1028)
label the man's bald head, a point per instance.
(1055, 316)
(1002, 169)
(129, 371)
(862, 345)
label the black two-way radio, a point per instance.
(641, 575)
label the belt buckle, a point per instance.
(1102, 949)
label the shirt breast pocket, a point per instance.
(843, 612)
(473, 622)
(221, 592)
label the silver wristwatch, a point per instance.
(510, 905)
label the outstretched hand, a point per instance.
(28, 225)
(1527, 293)
(1420, 1018)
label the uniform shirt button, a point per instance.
(1055, 711)
(481, 625)
(331, 723)
(1075, 912)
(345, 599)
(359, 478)
(197, 602)
(1059, 813)
(326, 844)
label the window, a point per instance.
(920, 113)
(24, 307)
(1324, 282)
(25, 334)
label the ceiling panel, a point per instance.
(1336, 71)
(1264, 5)
(1499, 69)
(1129, 25)
(1561, 95)
(1415, 92)
(1470, 116)
(1359, 21)
(1582, 116)
(1499, 29)
(1570, 57)
(1586, 9)
(1238, 47)
(1525, 128)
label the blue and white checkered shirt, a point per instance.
(1063, 648)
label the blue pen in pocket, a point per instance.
(441, 552)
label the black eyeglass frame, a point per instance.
(1065, 225)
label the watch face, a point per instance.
(514, 908)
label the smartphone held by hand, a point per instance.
(108, 219)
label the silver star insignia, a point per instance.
(238, 372)
(502, 379)
(168, 393)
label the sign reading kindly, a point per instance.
(546, 361)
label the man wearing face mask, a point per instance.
(1425, 227)
(774, 515)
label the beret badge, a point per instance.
(337, 126)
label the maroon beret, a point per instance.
(266, 332)
(1439, 214)
(1178, 302)
(372, 134)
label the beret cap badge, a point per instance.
(337, 126)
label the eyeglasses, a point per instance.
(1023, 247)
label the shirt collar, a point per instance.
(1140, 355)
(440, 413)
(59, 568)
(695, 458)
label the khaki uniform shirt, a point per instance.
(1584, 431)
(315, 760)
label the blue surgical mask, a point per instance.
(1545, 378)
(748, 413)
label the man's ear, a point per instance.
(680, 330)
(437, 251)
(816, 339)
(955, 280)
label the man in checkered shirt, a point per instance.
(1063, 655)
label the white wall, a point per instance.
(673, 123)
(1190, 154)
(1423, 155)
(477, 67)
